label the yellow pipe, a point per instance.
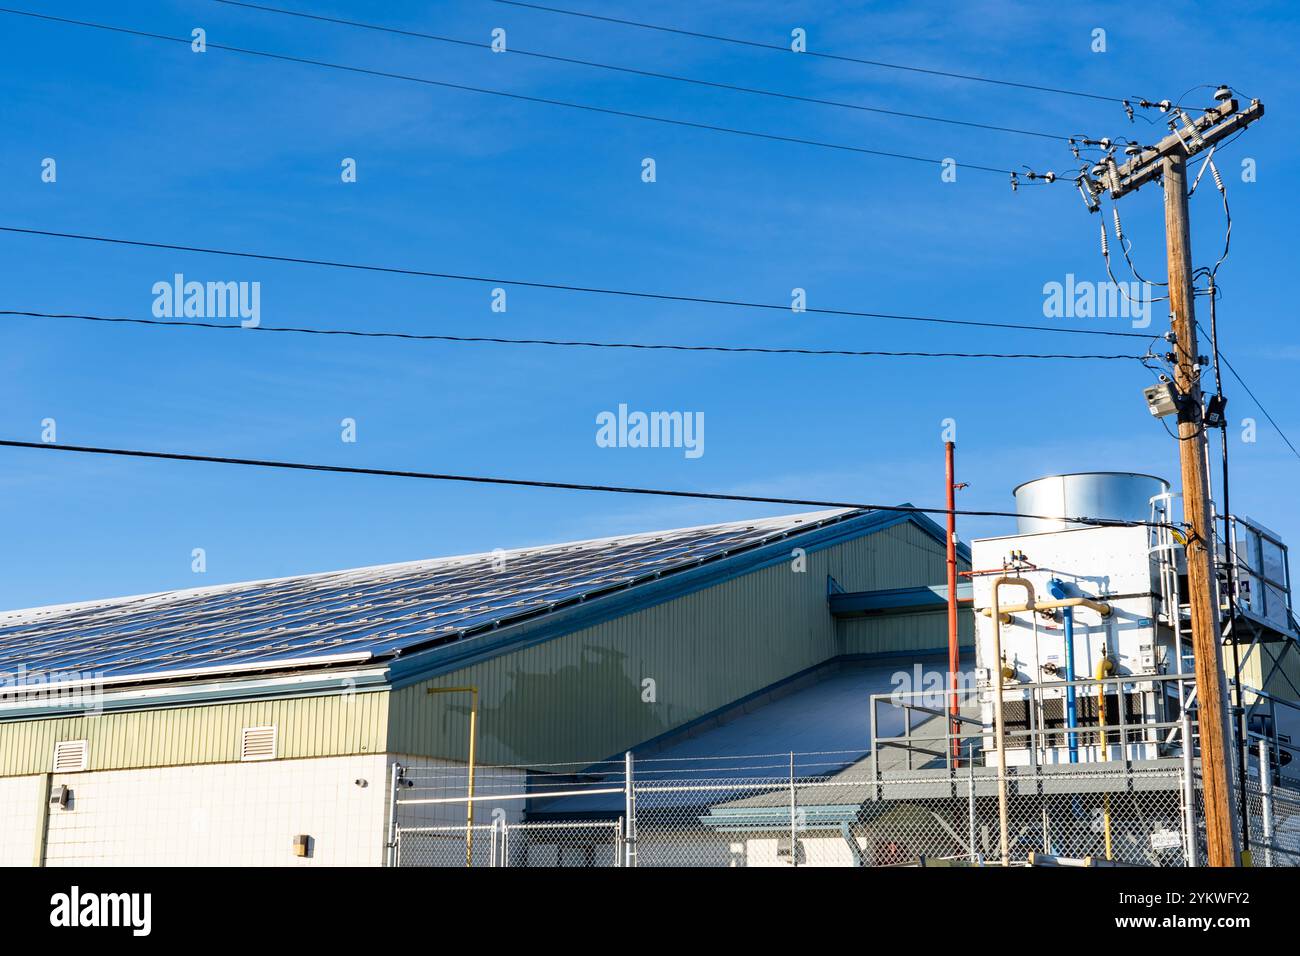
(1104, 667)
(1101, 607)
(998, 723)
(473, 738)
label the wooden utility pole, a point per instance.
(1207, 644)
(1167, 160)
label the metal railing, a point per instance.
(941, 738)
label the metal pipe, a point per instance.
(1189, 788)
(395, 781)
(970, 808)
(43, 821)
(998, 719)
(473, 740)
(1265, 801)
(1229, 555)
(1057, 590)
(629, 809)
(1101, 607)
(1104, 667)
(794, 840)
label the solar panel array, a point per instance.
(381, 611)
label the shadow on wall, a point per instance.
(578, 712)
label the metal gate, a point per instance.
(579, 843)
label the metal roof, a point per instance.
(356, 615)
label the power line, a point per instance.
(563, 287)
(1258, 404)
(561, 485)
(676, 78)
(496, 340)
(734, 131)
(826, 56)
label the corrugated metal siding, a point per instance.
(305, 727)
(898, 633)
(1283, 679)
(578, 697)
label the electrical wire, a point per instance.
(495, 340)
(1258, 404)
(462, 87)
(1105, 255)
(813, 53)
(558, 485)
(562, 287)
(676, 78)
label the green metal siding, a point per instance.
(578, 697)
(305, 727)
(899, 633)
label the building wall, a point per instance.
(20, 806)
(1275, 669)
(349, 723)
(218, 815)
(578, 697)
(582, 696)
(900, 633)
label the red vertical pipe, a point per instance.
(949, 448)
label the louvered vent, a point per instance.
(70, 756)
(257, 743)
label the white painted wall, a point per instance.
(243, 814)
(19, 815)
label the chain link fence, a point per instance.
(813, 810)
(840, 820)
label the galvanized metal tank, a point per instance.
(1121, 495)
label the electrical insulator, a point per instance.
(1015, 183)
(1119, 230)
(1218, 180)
(1128, 108)
(1089, 197)
(1191, 130)
(1113, 171)
(1105, 244)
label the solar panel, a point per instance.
(381, 610)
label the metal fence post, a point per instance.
(394, 783)
(629, 812)
(794, 840)
(970, 812)
(1189, 791)
(1266, 802)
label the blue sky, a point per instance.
(155, 142)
